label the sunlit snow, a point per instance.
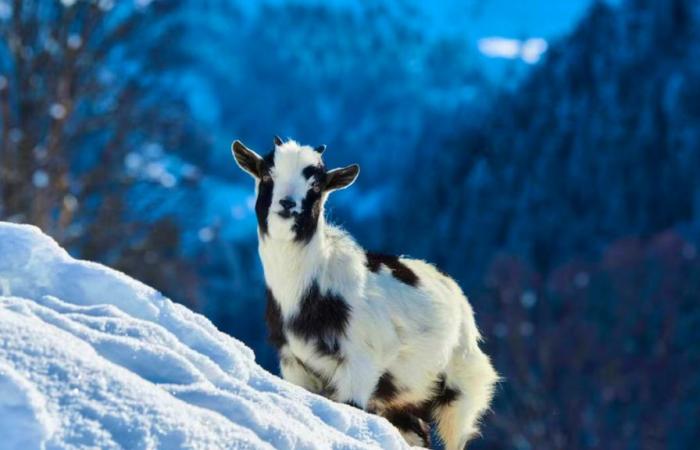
(90, 358)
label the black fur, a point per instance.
(269, 160)
(386, 389)
(319, 171)
(405, 420)
(443, 394)
(306, 222)
(398, 269)
(275, 323)
(265, 188)
(331, 348)
(262, 204)
(416, 417)
(323, 319)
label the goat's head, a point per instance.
(292, 185)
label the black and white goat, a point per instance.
(388, 334)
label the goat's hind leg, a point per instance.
(465, 395)
(414, 430)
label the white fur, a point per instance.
(415, 333)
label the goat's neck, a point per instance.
(290, 267)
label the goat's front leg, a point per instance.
(295, 372)
(356, 378)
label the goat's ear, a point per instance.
(247, 159)
(277, 141)
(341, 178)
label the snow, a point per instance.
(92, 358)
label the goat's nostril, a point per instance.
(288, 203)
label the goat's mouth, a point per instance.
(286, 214)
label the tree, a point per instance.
(83, 84)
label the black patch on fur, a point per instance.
(323, 319)
(269, 160)
(265, 188)
(399, 270)
(443, 394)
(386, 388)
(353, 404)
(275, 323)
(309, 171)
(306, 222)
(422, 410)
(262, 204)
(405, 420)
(329, 349)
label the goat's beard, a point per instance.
(279, 228)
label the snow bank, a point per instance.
(91, 357)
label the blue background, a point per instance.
(546, 154)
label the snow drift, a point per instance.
(91, 357)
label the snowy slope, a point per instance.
(92, 358)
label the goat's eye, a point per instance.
(266, 178)
(316, 188)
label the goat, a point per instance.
(390, 335)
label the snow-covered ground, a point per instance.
(92, 358)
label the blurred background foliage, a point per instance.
(545, 155)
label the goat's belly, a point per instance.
(414, 376)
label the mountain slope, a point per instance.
(90, 357)
(598, 143)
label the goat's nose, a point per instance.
(288, 203)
